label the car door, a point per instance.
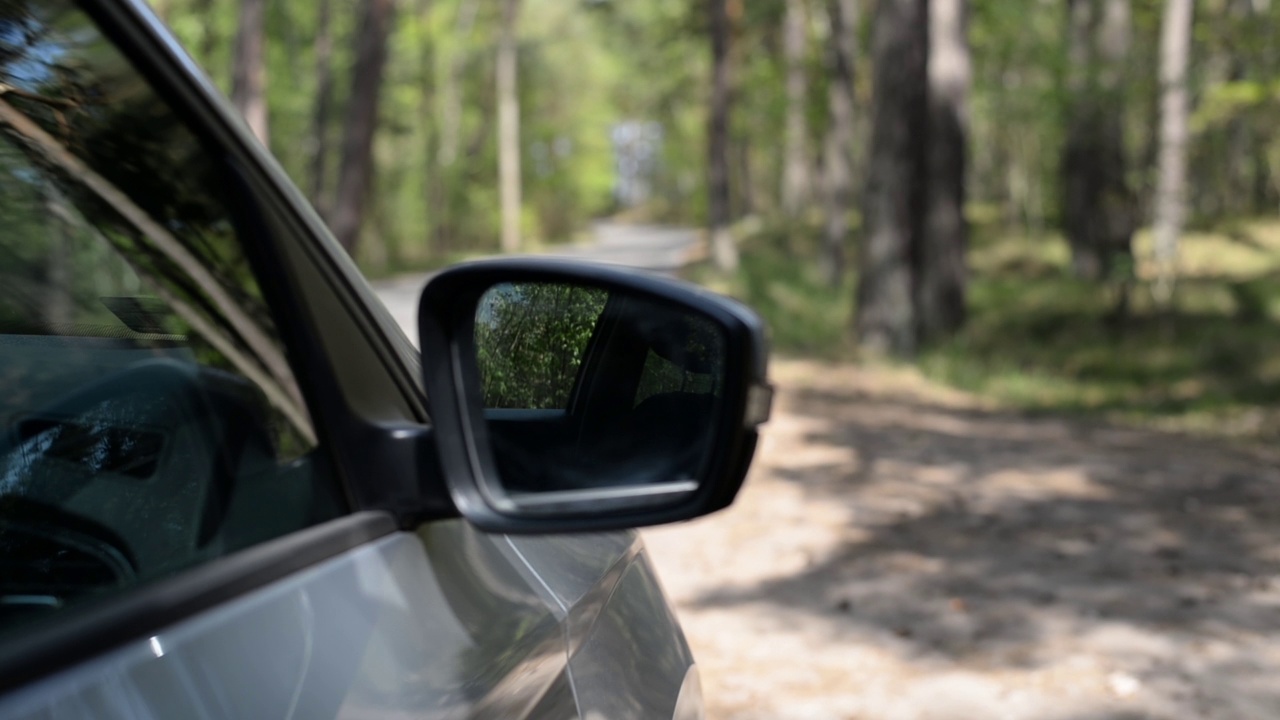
(208, 430)
(551, 365)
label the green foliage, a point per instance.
(779, 280)
(1037, 339)
(530, 339)
(1040, 340)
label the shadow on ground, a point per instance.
(1002, 542)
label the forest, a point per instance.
(1057, 204)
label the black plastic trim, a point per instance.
(75, 635)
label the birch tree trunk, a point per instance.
(837, 146)
(1171, 177)
(795, 172)
(509, 127)
(940, 284)
(451, 87)
(249, 67)
(885, 320)
(724, 250)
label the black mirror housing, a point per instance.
(569, 396)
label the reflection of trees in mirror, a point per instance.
(530, 339)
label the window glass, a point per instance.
(148, 415)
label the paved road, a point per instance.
(645, 247)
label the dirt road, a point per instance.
(655, 248)
(902, 552)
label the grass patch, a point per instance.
(1039, 340)
(779, 279)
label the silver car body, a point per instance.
(444, 623)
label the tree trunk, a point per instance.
(837, 151)
(433, 188)
(323, 105)
(1076, 180)
(885, 319)
(249, 67)
(509, 127)
(1170, 205)
(208, 38)
(940, 283)
(724, 250)
(355, 174)
(58, 306)
(450, 89)
(1098, 207)
(795, 173)
(450, 144)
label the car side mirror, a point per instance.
(568, 396)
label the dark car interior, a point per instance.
(125, 461)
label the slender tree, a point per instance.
(940, 281)
(249, 67)
(1170, 201)
(451, 87)
(450, 142)
(1098, 205)
(795, 47)
(355, 174)
(57, 305)
(509, 126)
(323, 50)
(724, 249)
(208, 35)
(885, 320)
(433, 186)
(837, 145)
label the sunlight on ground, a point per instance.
(907, 551)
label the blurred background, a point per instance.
(1019, 259)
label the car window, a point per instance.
(149, 419)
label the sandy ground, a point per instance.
(903, 552)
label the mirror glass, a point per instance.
(597, 393)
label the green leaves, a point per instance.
(1231, 100)
(530, 340)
